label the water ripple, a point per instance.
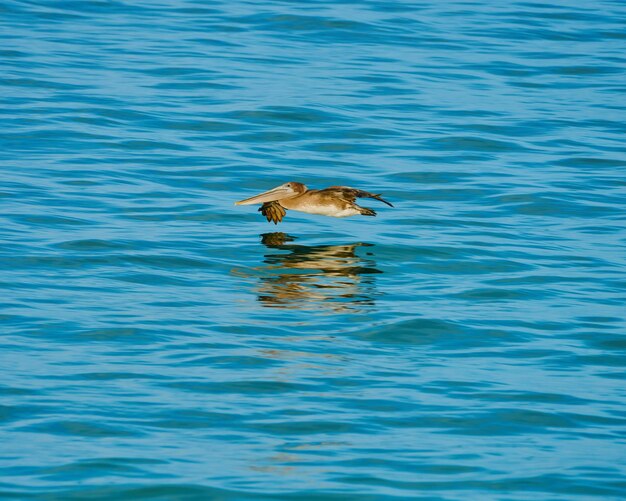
(160, 343)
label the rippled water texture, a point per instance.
(159, 342)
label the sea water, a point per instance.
(158, 342)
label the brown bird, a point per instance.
(336, 201)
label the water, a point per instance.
(160, 343)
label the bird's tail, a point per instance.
(367, 212)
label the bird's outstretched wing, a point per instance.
(273, 211)
(351, 194)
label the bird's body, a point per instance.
(336, 201)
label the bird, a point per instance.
(335, 201)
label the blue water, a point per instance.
(160, 343)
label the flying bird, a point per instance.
(336, 201)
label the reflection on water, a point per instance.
(316, 276)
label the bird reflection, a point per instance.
(329, 277)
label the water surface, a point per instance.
(160, 343)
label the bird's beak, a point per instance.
(277, 193)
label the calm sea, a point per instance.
(159, 343)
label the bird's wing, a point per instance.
(351, 194)
(273, 211)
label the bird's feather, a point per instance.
(273, 211)
(351, 194)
